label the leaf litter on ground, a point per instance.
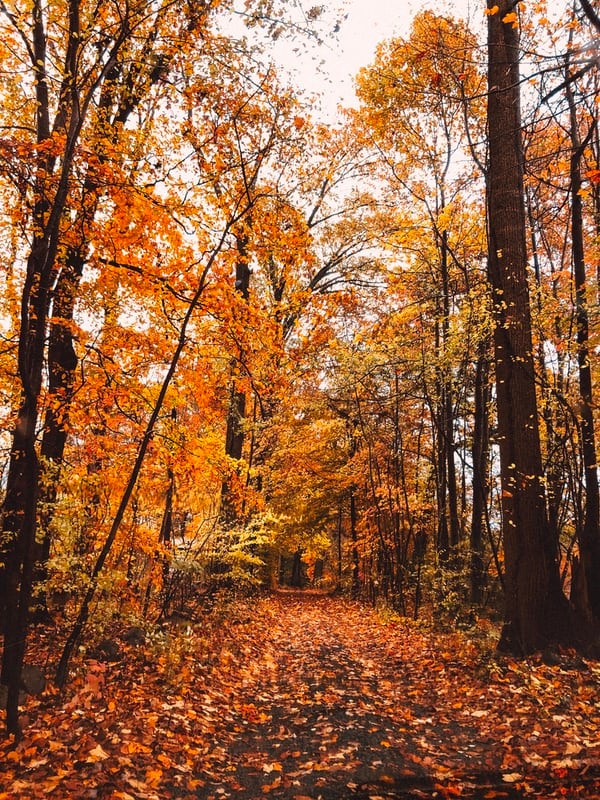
(293, 696)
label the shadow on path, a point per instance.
(335, 710)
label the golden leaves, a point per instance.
(511, 18)
(593, 175)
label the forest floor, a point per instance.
(303, 696)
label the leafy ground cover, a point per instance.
(305, 696)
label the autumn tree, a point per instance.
(77, 159)
(59, 93)
(590, 532)
(536, 609)
(422, 107)
(308, 238)
(138, 67)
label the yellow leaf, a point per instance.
(512, 777)
(491, 11)
(274, 767)
(573, 749)
(135, 747)
(97, 754)
(153, 777)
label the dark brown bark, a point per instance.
(62, 364)
(22, 491)
(590, 13)
(590, 535)
(447, 403)
(339, 542)
(448, 534)
(354, 541)
(441, 461)
(236, 413)
(536, 610)
(479, 454)
(19, 528)
(297, 578)
(595, 146)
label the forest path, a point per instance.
(341, 704)
(322, 721)
(298, 696)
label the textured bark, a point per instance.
(62, 364)
(480, 448)
(536, 609)
(236, 413)
(590, 536)
(20, 506)
(354, 541)
(447, 410)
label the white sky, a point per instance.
(330, 70)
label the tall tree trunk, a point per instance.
(590, 536)
(596, 189)
(62, 363)
(441, 460)
(480, 451)
(447, 406)
(236, 412)
(354, 541)
(339, 543)
(447, 487)
(19, 529)
(536, 610)
(20, 506)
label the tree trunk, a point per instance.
(236, 413)
(536, 611)
(480, 483)
(19, 528)
(20, 505)
(62, 363)
(339, 547)
(590, 536)
(296, 579)
(447, 409)
(354, 540)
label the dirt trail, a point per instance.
(300, 696)
(340, 705)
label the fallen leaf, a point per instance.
(97, 754)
